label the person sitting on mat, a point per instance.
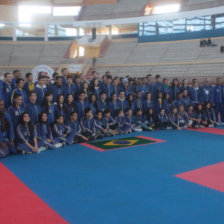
(109, 123)
(200, 116)
(184, 121)
(62, 132)
(151, 119)
(44, 133)
(131, 120)
(123, 127)
(76, 128)
(174, 119)
(209, 114)
(163, 121)
(6, 133)
(141, 121)
(26, 135)
(88, 125)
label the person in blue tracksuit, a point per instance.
(76, 128)
(141, 121)
(81, 105)
(95, 88)
(64, 73)
(167, 103)
(60, 108)
(163, 121)
(166, 87)
(6, 133)
(69, 106)
(157, 87)
(194, 122)
(2, 95)
(115, 86)
(130, 119)
(122, 127)
(195, 93)
(179, 100)
(102, 103)
(209, 114)
(186, 99)
(48, 107)
(16, 109)
(109, 123)
(88, 125)
(175, 119)
(150, 119)
(8, 88)
(139, 101)
(183, 117)
(26, 135)
(206, 92)
(29, 85)
(144, 87)
(40, 89)
(200, 116)
(174, 89)
(113, 105)
(122, 102)
(32, 108)
(101, 130)
(131, 103)
(148, 102)
(62, 132)
(218, 100)
(93, 103)
(44, 133)
(185, 86)
(108, 87)
(69, 87)
(158, 103)
(57, 88)
(78, 86)
(19, 90)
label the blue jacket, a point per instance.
(210, 115)
(186, 101)
(24, 134)
(22, 93)
(88, 125)
(167, 105)
(2, 95)
(75, 127)
(156, 88)
(99, 124)
(206, 94)
(174, 91)
(102, 106)
(108, 122)
(33, 110)
(69, 109)
(69, 89)
(60, 130)
(40, 93)
(195, 95)
(108, 89)
(217, 94)
(57, 90)
(60, 111)
(130, 120)
(123, 105)
(164, 118)
(44, 131)
(144, 89)
(15, 113)
(50, 113)
(8, 93)
(178, 102)
(139, 104)
(8, 134)
(81, 106)
(146, 105)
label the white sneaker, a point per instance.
(137, 129)
(211, 126)
(58, 145)
(41, 149)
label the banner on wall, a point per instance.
(76, 68)
(42, 68)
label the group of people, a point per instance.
(48, 114)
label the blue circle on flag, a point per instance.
(121, 142)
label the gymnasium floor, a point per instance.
(135, 185)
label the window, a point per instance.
(66, 11)
(219, 22)
(81, 51)
(165, 27)
(163, 9)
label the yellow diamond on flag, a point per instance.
(121, 142)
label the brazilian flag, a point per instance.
(122, 143)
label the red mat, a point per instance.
(210, 176)
(215, 131)
(19, 205)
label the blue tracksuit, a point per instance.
(130, 120)
(116, 89)
(146, 105)
(75, 127)
(186, 101)
(63, 133)
(43, 133)
(108, 89)
(210, 115)
(88, 125)
(108, 122)
(206, 94)
(24, 134)
(195, 95)
(2, 96)
(81, 106)
(167, 105)
(178, 102)
(139, 104)
(8, 93)
(123, 127)
(50, 113)
(15, 113)
(33, 110)
(40, 93)
(218, 100)
(59, 111)
(22, 93)
(102, 106)
(123, 104)
(69, 109)
(156, 88)
(57, 90)
(174, 91)
(97, 92)
(144, 89)
(69, 89)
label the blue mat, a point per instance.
(127, 186)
